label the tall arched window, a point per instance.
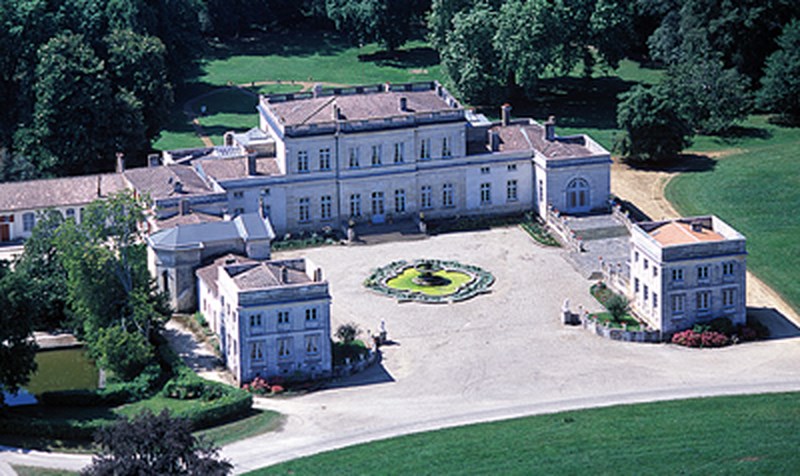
(578, 195)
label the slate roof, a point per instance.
(267, 275)
(193, 218)
(209, 273)
(228, 169)
(247, 227)
(159, 182)
(66, 191)
(357, 107)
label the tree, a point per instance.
(440, 20)
(17, 347)
(154, 444)
(617, 306)
(708, 96)
(653, 128)
(468, 59)
(73, 100)
(780, 86)
(347, 333)
(388, 22)
(122, 352)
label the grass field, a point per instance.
(34, 471)
(757, 190)
(726, 435)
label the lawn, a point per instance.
(726, 435)
(405, 281)
(35, 471)
(630, 321)
(757, 190)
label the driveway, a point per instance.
(500, 355)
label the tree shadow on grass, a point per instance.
(745, 132)
(282, 43)
(418, 57)
(683, 163)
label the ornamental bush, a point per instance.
(692, 338)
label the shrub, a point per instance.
(258, 386)
(714, 339)
(692, 338)
(276, 389)
(347, 333)
(723, 325)
(687, 338)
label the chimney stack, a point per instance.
(317, 90)
(252, 165)
(697, 227)
(177, 186)
(284, 275)
(184, 207)
(337, 113)
(99, 191)
(403, 104)
(120, 162)
(387, 87)
(153, 160)
(505, 114)
(550, 129)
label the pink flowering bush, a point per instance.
(691, 338)
(258, 386)
(277, 389)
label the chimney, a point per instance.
(284, 275)
(403, 104)
(120, 162)
(494, 140)
(153, 160)
(387, 87)
(697, 227)
(184, 207)
(337, 112)
(99, 191)
(252, 165)
(317, 90)
(505, 114)
(550, 129)
(177, 186)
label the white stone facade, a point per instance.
(687, 271)
(268, 327)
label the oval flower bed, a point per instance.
(447, 281)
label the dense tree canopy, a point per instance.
(17, 348)
(388, 22)
(154, 444)
(781, 81)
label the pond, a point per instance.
(61, 369)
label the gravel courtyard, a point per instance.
(498, 355)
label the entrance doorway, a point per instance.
(378, 207)
(578, 196)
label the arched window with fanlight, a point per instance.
(578, 195)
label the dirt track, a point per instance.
(645, 188)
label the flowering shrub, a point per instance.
(691, 338)
(277, 389)
(259, 386)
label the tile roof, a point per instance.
(160, 182)
(531, 136)
(228, 169)
(209, 273)
(358, 107)
(66, 191)
(267, 275)
(193, 218)
(682, 233)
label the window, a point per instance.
(677, 304)
(400, 201)
(266, 211)
(485, 170)
(354, 159)
(447, 195)
(399, 153)
(255, 320)
(376, 155)
(325, 207)
(677, 274)
(512, 167)
(655, 271)
(302, 161)
(70, 213)
(703, 301)
(486, 193)
(635, 256)
(655, 300)
(311, 314)
(426, 196)
(237, 195)
(645, 292)
(325, 159)
(646, 263)
(702, 273)
(425, 149)
(256, 351)
(28, 221)
(511, 191)
(541, 191)
(377, 203)
(266, 192)
(305, 209)
(727, 269)
(636, 285)
(238, 211)
(285, 347)
(283, 317)
(355, 205)
(446, 152)
(728, 296)
(312, 344)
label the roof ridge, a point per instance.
(317, 110)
